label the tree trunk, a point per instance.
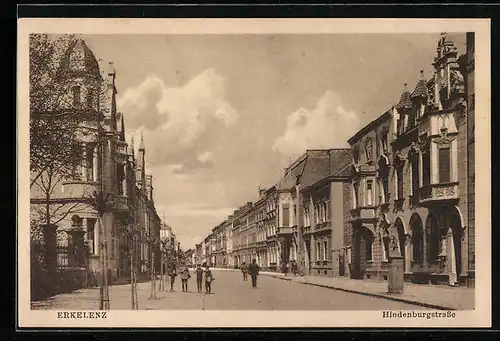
(132, 295)
(161, 287)
(105, 267)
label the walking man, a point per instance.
(253, 269)
(172, 273)
(199, 277)
(185, 277)
(208, 280)
(244, 270)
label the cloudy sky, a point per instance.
(223, 114)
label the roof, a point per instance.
(404, 101)
(340, 159)
(79, 60)
(420, 89)
(362, 132)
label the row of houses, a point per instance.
(111, 165)
(405, 185)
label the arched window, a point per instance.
(366, 238)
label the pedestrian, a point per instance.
(172, 273)
(294, 268)
(199, 278)
(285, 268)
(253, 269)
(244, 271)
(209, 278)
(185, 275)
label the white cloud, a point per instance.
(174, 119)
(206, 157)
(328, 125)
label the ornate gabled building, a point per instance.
(408, 195)
(109, 166)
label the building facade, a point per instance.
(407, 192)
(109, 166)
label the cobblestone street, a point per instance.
(228, 292)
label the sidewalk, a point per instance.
(430, 296)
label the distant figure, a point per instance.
(185, 275)
(172, 273)
(244, 271)
(253, 269)
(209, 278)
(286, 267)
(199, 278)
(294, 268)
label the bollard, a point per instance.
(396, 275)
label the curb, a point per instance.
(391, 298)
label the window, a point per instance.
(328, 210)
(318, 251)
(426, 167)
(355, 195)
(90, 99)
(384, 139)
(286, 215)
(325, 248)
(90, 235)
(400, 123)
(76, 92)
(444, 164)
(369, 192)
(368, 247)
(89, 163)
(414, 174)
(399, 181)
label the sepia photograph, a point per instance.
(261, 170)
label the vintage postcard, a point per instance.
(254, 173)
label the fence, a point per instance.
(58, 270)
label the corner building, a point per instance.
(406, 184)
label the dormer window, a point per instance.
(76, 93)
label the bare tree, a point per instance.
(102, 203)
(131, 231)
(164, 246)
(54, 127)
(153, 242)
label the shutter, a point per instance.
(444, 165)
(329, 249)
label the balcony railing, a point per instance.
(285, 230)
(438, 192)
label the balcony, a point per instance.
(363, 213)
(283, 231)
(436, 193)
(78, 189)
